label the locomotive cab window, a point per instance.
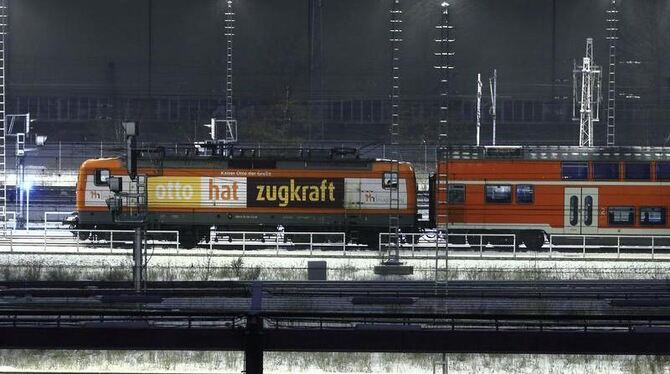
(390, 180)
(498, 193)
(621, 215)
(101, 177)
(638, 170)
(575, 170)
(524, 193)
(606, 171)
(652, 216)
(456, 194)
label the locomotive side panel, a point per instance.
(193, 199)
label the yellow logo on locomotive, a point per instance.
(296, 193)
(194, 192)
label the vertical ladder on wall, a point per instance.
(395, 37)
(4, 25)
(444, 55)
(612, 37)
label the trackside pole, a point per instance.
(137, 258)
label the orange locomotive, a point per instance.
(538, 191)
(193, 193)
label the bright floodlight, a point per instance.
(27, 185)
(445, 4)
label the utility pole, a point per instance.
(479, 106)
(586, 95)
(493, 85)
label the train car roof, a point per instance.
(549, 152)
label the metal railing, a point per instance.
(622, 244)
(296, 241)
(55, 224)
(82, 240)
(427, 241)
(334, 245)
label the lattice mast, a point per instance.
(444, 55)
(586, 95)
(229, 33)
(4, 28)
(612, 36)
(479, 105)
(493, 86)
(395, 38)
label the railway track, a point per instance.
(626, 289)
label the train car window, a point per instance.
(524, 193)
(456, 194)
(575, 170)
(390, 180)
(620, 215)
(663, 171)
(652, 216)
(574, 202)
(101, 177)
(638, 170)
(498, 193)
(588, 210)
(606, 170)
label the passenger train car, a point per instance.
(538, 191)
(192, 193)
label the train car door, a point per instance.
(581, 210)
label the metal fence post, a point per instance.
(514, 246)
(244, 243)
(583, 246)
(481, 245)
(111, 241)
(379, 248)
(652, 246)
(311, 244)
(618, 247)
(344, 244)
(177, 241)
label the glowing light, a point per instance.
(26, 185)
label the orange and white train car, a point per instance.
(540, 191)
(192, 194)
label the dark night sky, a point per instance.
(85, 46)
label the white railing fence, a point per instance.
(249, 240)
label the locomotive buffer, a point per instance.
(130, 208)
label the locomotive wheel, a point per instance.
(534, 240)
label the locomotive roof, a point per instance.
(268, 159)
(549, 152)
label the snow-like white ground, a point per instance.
(288, 263)
(334, 363)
